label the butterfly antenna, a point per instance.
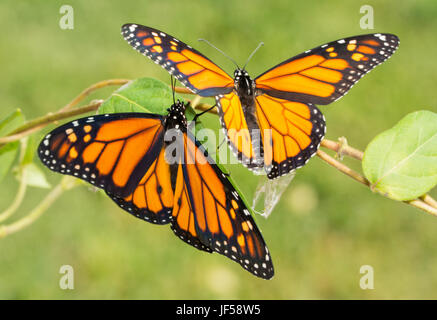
(220, 52)
(253, 52)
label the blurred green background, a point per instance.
(325, 227)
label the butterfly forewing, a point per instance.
(326, 73)
(189, 66)
(110, 151)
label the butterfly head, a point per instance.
(176, 116)
(240, 73)
(243, 84)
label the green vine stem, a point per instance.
(92, 88)
(342, 148)
(418, 203)
(65, 112)
(19, 197)
(39, 123)
(429, 200)
(67, 183)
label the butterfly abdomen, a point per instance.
(255, 135)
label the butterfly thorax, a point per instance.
(244, 86)
(176, 116)
(245, 89)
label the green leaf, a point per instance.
(7, 157)
(146, 95)
(9, 151)
(34, 176)
(12, 121)
(30, 151)
(141, 95)
(29, 171)
(402, 161)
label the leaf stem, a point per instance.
(66, 183)
(422, 206)
(39, 123)
(66, 112)
(343, 168)
(195, 102)
(19, 197)
(183, 90)
(90, 89)
(429, 200)
(342, 148)
(205, 107)
(427, 206)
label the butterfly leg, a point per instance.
(221, 143)
(202, 113)
(217, 148)
(197, 116)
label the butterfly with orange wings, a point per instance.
(271, 121)
(133, 158)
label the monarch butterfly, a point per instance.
(271, 121)
(127, 155)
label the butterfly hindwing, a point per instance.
(152, 199)
(242, 138)
(189, 66)
(326, 73)
(183, 215)
(291, 132)
(210, 211)
(112, 151)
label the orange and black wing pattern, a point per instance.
(242, 135)
(119, 153)
(291, 133)
(209, 213)
(326, 73)
(152, 198)
(189, 66)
